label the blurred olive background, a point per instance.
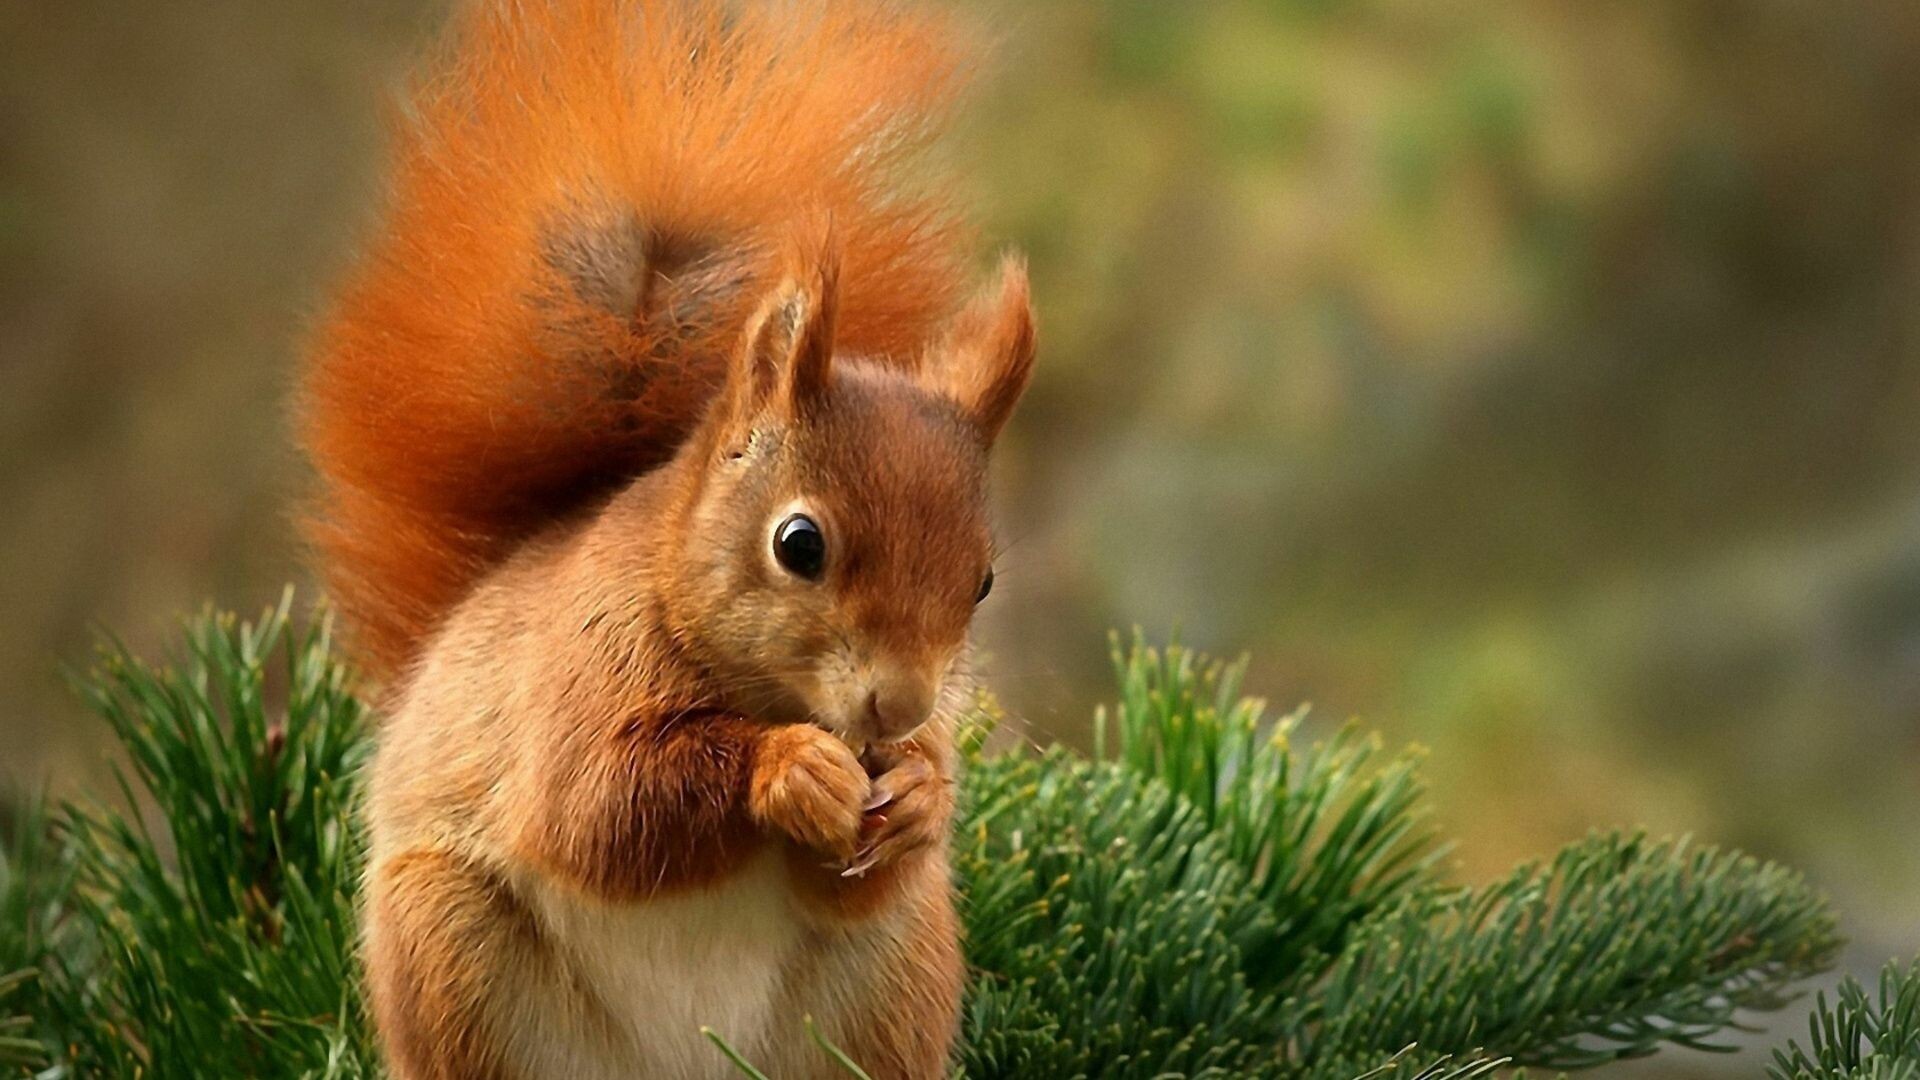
(1540, 381)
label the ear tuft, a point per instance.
(787, 360)
(814, 258)
(990, 350)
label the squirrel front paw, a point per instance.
(909, 810)
(808, 785)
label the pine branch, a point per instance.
(224, 945)
(1617, 946)
(1327, 834)
(1211, 901)
(32, 879)
(1857, 1037)
(18, 1044)
(1106, 926)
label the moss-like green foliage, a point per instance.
(1209, 895)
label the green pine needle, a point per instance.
(1328, 832)
(223, 943)
(838, 1055)
(18, 1043)
(1618, 945)
(739, 1061)
(1857, 1037)
(1212, 895)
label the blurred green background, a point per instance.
(1540, 381)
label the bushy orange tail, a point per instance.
(590, 197)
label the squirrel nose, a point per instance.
(896, 705)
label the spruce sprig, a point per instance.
(1616, 946)
(1860, 1037)
(1211, 895)
(1328, 832)
(222, 943)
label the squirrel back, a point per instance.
(590, 197)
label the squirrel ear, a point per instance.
(990, 350)
(789, 348)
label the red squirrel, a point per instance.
(651, 432)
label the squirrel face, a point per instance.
(836, 545)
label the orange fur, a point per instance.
(589, 199)
(651, 288)
(426, 998)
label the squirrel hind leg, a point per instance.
(439, 936)
(889, 997)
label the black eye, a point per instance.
(800, 546)
(986, 586)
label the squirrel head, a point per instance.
(834, 542)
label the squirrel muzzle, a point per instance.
(894, 706)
